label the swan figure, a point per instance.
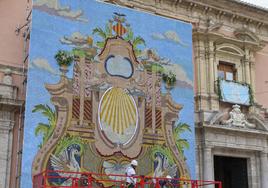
(163, 167)
(66, 162)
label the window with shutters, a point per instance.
(226, 71)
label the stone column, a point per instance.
(252, 73)
(154, 78)
(201, 71)
(211, 67)
(199, 53)
(208, 173)
(82, 90)
(214, 101)
(247, 70)
(264, 170)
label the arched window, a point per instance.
(226, 71)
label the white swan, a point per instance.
(163, 167)
(66, 162)
(158, 171)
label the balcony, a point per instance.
(9, 97)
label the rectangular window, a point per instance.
(226, 71)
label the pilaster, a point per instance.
(264, 169)
(6, 127)
(252, 75)
(201, 71)
(208, 165)
(247, 68)
(211, 55)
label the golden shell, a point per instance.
(118, 110)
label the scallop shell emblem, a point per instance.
(118, 115)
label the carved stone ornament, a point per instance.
(237, 118)
(7, 79)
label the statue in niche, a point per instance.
(237, 118)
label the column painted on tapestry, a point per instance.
(107, 85)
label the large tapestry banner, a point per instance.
(106, 85)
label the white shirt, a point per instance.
(130, 171)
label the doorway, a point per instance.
(232, 172)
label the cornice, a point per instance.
(236, 131)
(235, 7)
(219, 38)
(14, 70)
(230, 13)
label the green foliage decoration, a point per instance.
(135, 41)
(251, 97)
(64, 58)
(154, 67)
(68, 140)
(169, 78)
(129, 36)
(46, 129)
(164, 150)
(102, 34)
(219, 88)
(79, 52)
(181, 143)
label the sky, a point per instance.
(262, 3)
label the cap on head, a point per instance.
(168, 177)
(134, 163)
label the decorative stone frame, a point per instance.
(232, 54)
(233, 142)
(252, 162)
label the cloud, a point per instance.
(158, 36)
(42, 64)
(181, 75)
(170, 36)
(76, 39)
(53, 7)
(151, 55)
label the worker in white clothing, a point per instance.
(130, 173)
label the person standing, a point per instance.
(131, 180)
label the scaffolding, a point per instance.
(63, 179)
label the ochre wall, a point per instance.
(13, 14)
(261, 64)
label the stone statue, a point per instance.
(237, 118)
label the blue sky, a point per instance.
(261, 3)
